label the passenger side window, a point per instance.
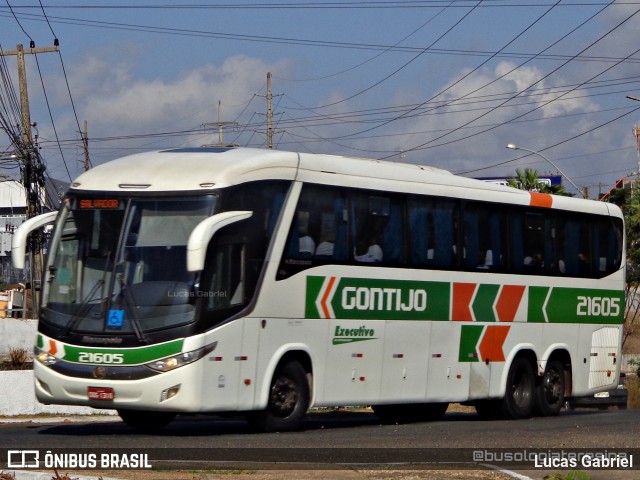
(433, 231)
(377, 230)
(319, 227)
(484, 236)
(365, 227)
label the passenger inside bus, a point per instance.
(306, 245)
(368, 250)
(325, 248)
(328, 221)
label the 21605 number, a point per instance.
(97, 357)
(598, 306)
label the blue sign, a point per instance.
(115, 319)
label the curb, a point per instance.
(59, 419)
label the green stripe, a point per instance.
(469, 338)
(385, 299)
(576, 305)
(579, 305)
(377, 299)
(314, 284)
(537, 296)
(130, 356)
(483, 303)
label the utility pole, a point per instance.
(636, 133)
(20, 52)
(33, 168)
(269, 113)
(221, 126)
(85, 147)
(269, 97)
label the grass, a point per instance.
(19, 359)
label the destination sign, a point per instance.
(99, 204)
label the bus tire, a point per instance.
(550, 390)
(289, 398)
(145, 421)
(518, 399)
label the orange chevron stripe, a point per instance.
(540, 200)
(490, 347)
(325, 297)
(462, 295)
(509, 301)
(53, 349)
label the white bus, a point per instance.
(264, 282)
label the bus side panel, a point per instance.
(405, 361)
(221, 387)
(522, 337)
(597, 365)
(448, 377)
(279, 337)
(354, 360)
(480, 374)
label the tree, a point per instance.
(629, 201)
(528, 179)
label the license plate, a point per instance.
(101, 393)
(602, 395)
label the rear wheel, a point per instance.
(289, 398)
(550, 390)
(146, 421)
(519, 396)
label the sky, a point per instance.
(447, 83)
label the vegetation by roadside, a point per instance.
(19, 359)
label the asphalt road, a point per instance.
(339, 439)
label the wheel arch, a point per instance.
(526, 351)
(559, 353)
(292, 352)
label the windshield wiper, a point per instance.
(130, 302)
(84, 307)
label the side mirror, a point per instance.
(204, 232)
(19, 242)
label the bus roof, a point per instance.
(204, 169)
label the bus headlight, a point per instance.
(46, 359)
(181, 359)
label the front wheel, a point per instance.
(289, 398)
(519, 395)
(145, 421)
(550, 390)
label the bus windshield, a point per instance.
(118, 265)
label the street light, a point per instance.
(513, 146)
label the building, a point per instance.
(543, 179)
(13, 207)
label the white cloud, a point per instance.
(109, 93)
(148, 106)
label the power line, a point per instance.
(309, 42)
(424, 145)
(555, 144)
